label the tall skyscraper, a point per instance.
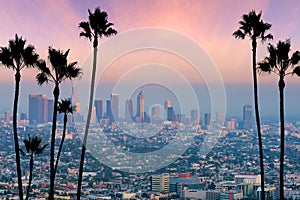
(140, 107)
(114, 98)
(129, 110)
(50, 110)
(38, 108)
(109, 114)
(207, 119)
(247, 117)
(99, 109)
(220, 118)
(170, 114)
(155, 112)
(168, 104)
(7, 116)
(194, 116)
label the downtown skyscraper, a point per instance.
(38, 108)
(247, 117)
(140, 107)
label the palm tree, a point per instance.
(16, 57)
(253, 27)
(280, 63)
(65, 107)
(58, 71)
(33, 148)
(96, 28)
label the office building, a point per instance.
(160, 183)
(114, 98)
(7, 116)
(50, 110)
(140, 107)
(220, 118)
(207, 119)
(129, 110)
(194, 116)
(247, 117)
(99, 109)
(109, 114)
(38, 108)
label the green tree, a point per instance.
(17, 57)
(33, 148)
(94, 29)
(58, 71)
(65, 107)
(252, 26)
(280, 63)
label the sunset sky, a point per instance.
(209, 23)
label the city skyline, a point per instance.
(229, 63)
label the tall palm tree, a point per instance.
(94, 29)
(58, 71)
(252, 26)
(17, 56)
(33, 148)
(280, 63)
(65, 107)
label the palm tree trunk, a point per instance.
(16, 139)
(255, 90)
(30, 176)
(52, 173)
(281, 85)
(61, 142)
(87, 121)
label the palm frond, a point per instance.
(30, 57)
(6, 57)
(86, 30)
(41, 78)
(295, 58)
(297, 71)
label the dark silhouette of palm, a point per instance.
(17, 57)
(58, 71)
(252, 26)
(96, 28)
(65, 107)
(33, 148)
(280, 63)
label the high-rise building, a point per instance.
(129, 110)
(247, 117)
(99, 109)
(38, 108)
(194, 116)
(231, 124)
(7, 116)
(170, 114)
(155, 112)
(50, 110)
(207, 119)
(109, 114)
(168, 104)
(23, 116)
(114, 98)
(220, 118)
(140, 107)
(160, 183)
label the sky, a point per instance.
(209, 24)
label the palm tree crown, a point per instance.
(253, 26)
(61, 69)
(97, 26)
(65, 106)
(33, 145)
(279, 62)
(16, 56)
